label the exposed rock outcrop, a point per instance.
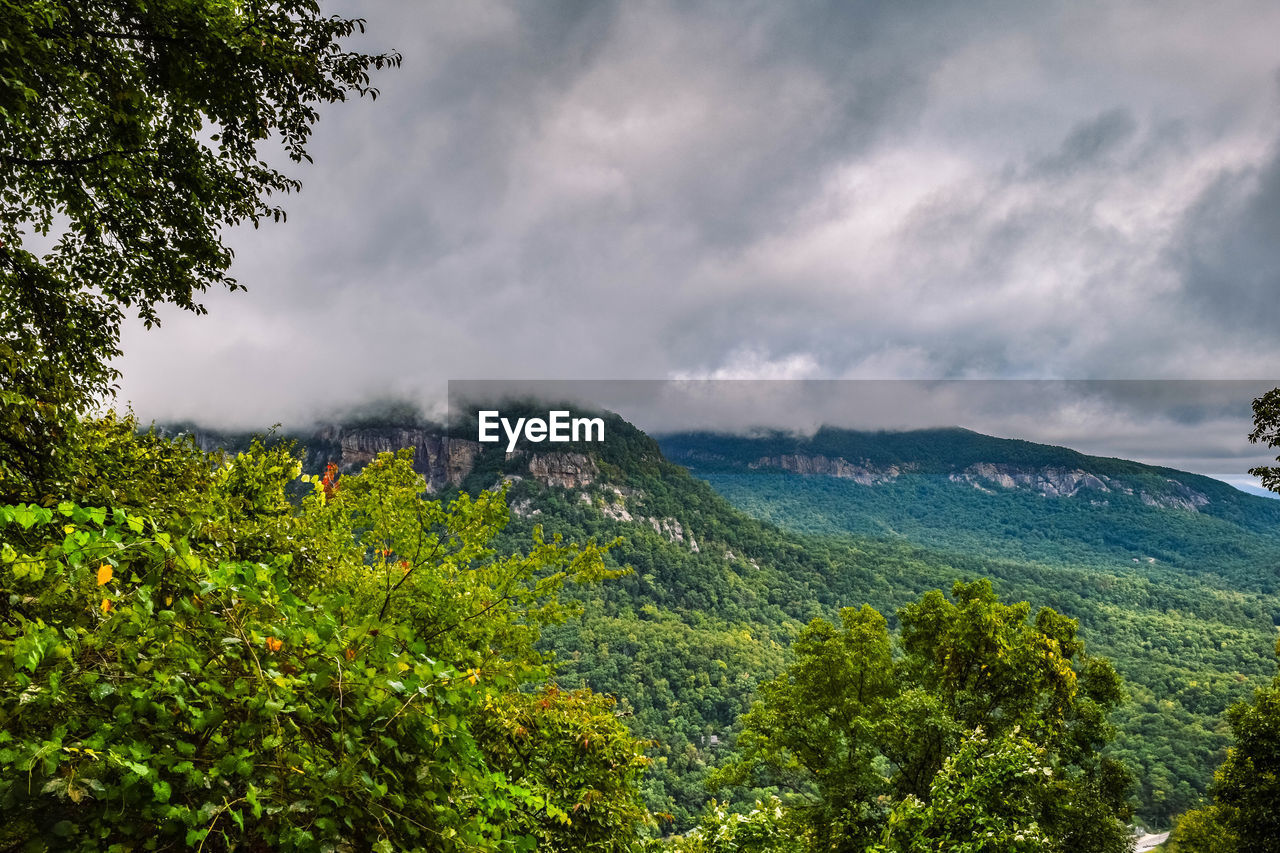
(674, 531)
(1050, 482)
(616, 512)
(567, 470)
(617, 509)
(860, 472)
(441, 460)
(1065, 483)
(1180, 496)
(991, 477)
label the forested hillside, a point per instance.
(715, 597)
(957, 489)
(1170, 574)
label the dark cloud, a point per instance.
(1229, 251)
(1090, 143)
(728, 189)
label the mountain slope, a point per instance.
(956, 489)
(716, 596)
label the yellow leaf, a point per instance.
(104, 574)
(106, 605)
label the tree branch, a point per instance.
(73, 161)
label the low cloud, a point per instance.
(807, 190)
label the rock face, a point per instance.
(1180, 496)
(567, 470)
(989, 477)
(617, 509)
(1050, 482)
(441, 460)
(864, 472)
(674, 531)
(1065, 483)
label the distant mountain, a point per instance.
(956, 489)
(716, 595)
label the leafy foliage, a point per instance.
(244, 671)
(131, 134)
(571, 748)
(1203, 830)
(868, 742)
(766, 828)
(987, 798)
(1248, 784)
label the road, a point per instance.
(1150, 842)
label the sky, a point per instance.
(762, 190)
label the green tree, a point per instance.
(814, 729)
(195, 660)
(1247, 787)
(1266, 429)
(1203, 830)
(574, 753)
(987, 798)
(766, 828)
(131, 133)
(865, 742)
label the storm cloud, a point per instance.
(760, 190)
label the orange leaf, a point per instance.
(350, 654)
(274, 645)
(104, 574)
(106, 605)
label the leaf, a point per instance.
(251, 797)
(104, 574)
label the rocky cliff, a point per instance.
(1050, 482)
(860, 472)
(567, 470)
(990, 477)
(1065, 483)
(441, 460)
